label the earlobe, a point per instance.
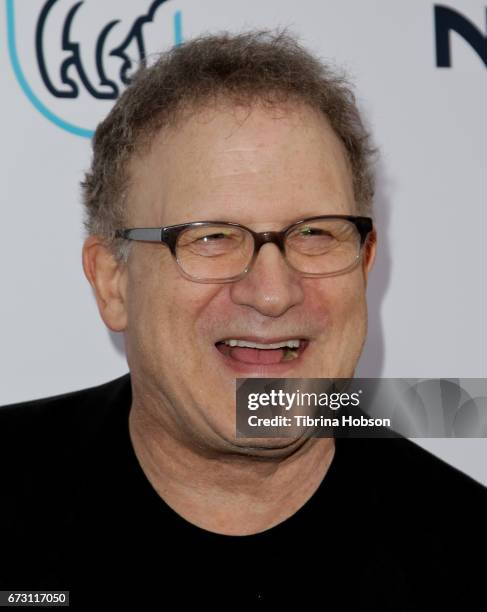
(107, 278)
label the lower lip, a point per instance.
(280, 369)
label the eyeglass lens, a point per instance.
(220, 251)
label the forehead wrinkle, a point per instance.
(238, 149)
(240, 161)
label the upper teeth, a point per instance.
(290, 343)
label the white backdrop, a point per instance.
(427, 295)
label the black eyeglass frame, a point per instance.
(169, 236)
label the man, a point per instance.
(229, 235)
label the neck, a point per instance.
(228, 490)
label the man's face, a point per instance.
(264, 169)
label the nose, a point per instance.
(271, 287)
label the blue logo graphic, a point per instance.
(100, 69)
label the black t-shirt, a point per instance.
(391, 527)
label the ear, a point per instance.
(370, 248)
(108, 278)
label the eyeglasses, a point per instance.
(220, 252)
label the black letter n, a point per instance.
(447, 19)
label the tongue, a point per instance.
(252, 355)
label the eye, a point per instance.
(214, 237)
(211, 241)
(314, 231)
(311, 239)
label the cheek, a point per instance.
(337, 299)
(340, 304)
(350, 327)
(352, 306)
(163, 314)
(344, 314)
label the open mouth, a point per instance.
(262, 353)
